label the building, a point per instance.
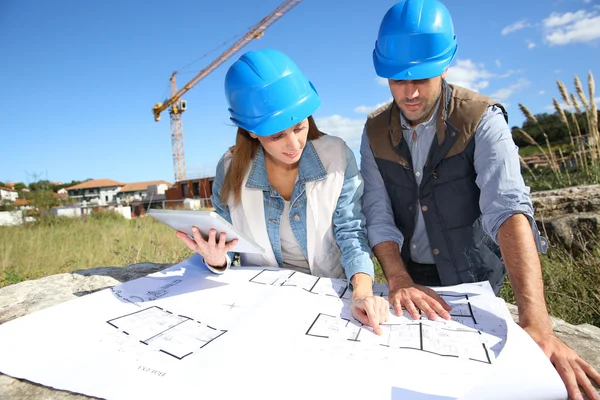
(140, 190)
(191, 193)
(8, 194)
(96, 191)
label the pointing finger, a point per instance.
(373, 316)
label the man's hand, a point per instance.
(415, 296)
(370, 310)
(572, 369)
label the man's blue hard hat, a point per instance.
(416, 40)
(267, 93)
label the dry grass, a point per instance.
(62, 245)
(585, 154)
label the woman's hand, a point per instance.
(368, 309)
(213, 252)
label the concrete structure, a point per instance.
(96, 191)
(194, 189)
(140, 190)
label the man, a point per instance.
(444, 200)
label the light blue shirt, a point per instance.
(496, 162)
(348, 220)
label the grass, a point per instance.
(59, 245)
(531, 150)
(570, 285)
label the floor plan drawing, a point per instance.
(436, 337)
(310, 283)
(175, 335)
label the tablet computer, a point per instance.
(183, 220)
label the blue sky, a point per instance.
(79, 78)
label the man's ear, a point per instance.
(253, 135)
(445, 73)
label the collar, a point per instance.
(397, 123)
(310, 168)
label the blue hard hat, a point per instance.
(267, 93)
(416, 40)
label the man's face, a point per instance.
(417, 99)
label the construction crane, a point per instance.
(177, 106)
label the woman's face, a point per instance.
(285, 147)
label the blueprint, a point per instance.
(268, 333)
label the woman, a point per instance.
(293, 189)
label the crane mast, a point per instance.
(177, 106)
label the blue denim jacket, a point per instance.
(348, 220)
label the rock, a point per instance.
(569, 217)
(29, 296)
(26, 297)
(571, 200)
(574, 232)
(584, 338)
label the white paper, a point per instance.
(269, 333)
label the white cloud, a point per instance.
(587, 1)
(557, 71)
(368, 109)
(542, 92)
(530, 45)
(571, 27)
(498, 63)
(508, 91)
(515, 27)
(473, 76)
(347, 128)
(382, 81)
(467, 74)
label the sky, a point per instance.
(79, 78)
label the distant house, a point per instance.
(22, 203)
(8, 194)
(96, 191)
(198, 191)
(140, 190)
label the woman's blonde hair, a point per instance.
(242, 155)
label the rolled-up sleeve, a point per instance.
(503, 190)
(349, 223)
(377, 206)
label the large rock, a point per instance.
(26, 297)
(571, 200)
(569, 217)
(29, 296)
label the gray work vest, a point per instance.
(448, 195)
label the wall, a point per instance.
(11, 218)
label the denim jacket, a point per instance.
(347, 221)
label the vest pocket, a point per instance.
(457, 202)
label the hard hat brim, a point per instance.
(389, 69)
(281, 119)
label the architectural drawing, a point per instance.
(459, 337)
(310, 283)
(148, 295)
(175, 335)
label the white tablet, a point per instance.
(183, 220)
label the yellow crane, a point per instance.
(177, 106)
